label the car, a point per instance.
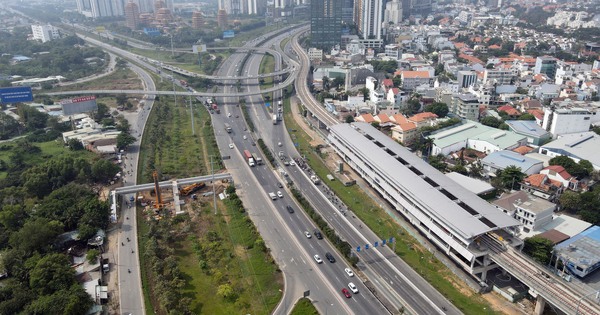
(231, 145)
(330, 257)
(292, 163)
(279, 185)
(279, 144)
(290, 209)
(352, 288)
(349, 272)
(307, 234)
(346, 293)
(319, 260)
(228, 114)
(279, 194)
(318, 234)
(245, 137)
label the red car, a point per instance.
(346, 293)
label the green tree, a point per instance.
(74, 144)
(70, 301)
(412, 107)
(526, 116)
(397, 80)
(104, 170)
(440, 109)
(539, 249)
(438, 162)
(35, 235)
(124, 139)
(51, 273)
(121, 99)
(349, 119)
(102, 111)
(326, 83)
(491, 121)
(226, 292)
(511, 177)
(582, 169)
(92, 255)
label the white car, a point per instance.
(279, 194)
(349, 272)
(245, 137)
(318, 259)
(228, 114)
(352, 288)
(231, 145)
(307, 234)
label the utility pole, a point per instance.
(212, 171)
(192, 114)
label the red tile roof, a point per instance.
(523, 149)
(399, 119)
(383, 118)
(422, 116)
(368, 118)
(388, 82)
(560, 171)
(415, 74)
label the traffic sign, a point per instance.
(391, 239)
(267, 104)
(383, 242)
(376, 244)
(366, 246)
(358, 248)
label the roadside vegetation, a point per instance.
(267, 65)
(121, 79)
(376, 218)
(304, 307)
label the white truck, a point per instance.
(315, 179)
(274, 119)
(273, 196)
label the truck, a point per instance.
(228, 128)
(257, 159)
(182, 82)
(215, 108)
(274, 119)
(273, 196)
(249, 158)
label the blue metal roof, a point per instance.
(527, 127)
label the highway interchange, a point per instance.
(393, 281)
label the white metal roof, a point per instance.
(473, 218)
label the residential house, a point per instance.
(412, 79)
(542, 186)
(423, 119)
(559, 174)
(533, 212)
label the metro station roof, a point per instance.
(462, 211)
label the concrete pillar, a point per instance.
(540, 304)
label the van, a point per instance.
(273, 196)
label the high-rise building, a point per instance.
(466, 78)
(222, 19)
(393, 12)
(546, 65)
(415, 7)
(197, 20)
(348, 12)
(101, 8)
(44, 33)
(132, 15)
(371, 12)
(325, 23)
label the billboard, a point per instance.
(79, 105)
(228, 34)
(199, 48)
(15, 94)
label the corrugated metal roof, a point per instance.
(476, 131)
(460, 210)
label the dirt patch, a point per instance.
(240, 252)
(460, 286)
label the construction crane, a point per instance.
(159, 202)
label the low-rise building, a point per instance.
(473, 135)
(577, 146)
(531, 211)
(535, 134)
(465, 105)
(412, 79)
(498, 161)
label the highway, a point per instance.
(283, 231)
(129, 276)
